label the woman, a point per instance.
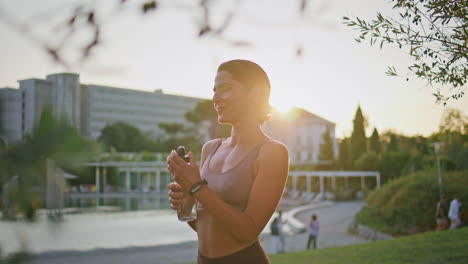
(241, 178)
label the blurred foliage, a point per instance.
(367, 162)
(392, 146)
(434, 33)
(204, 111)
(402, 154)
(326, 148)
(123, 137)
(344, 194)
(16, 258)
(53, 139)
(407, 205)
(344, 160)
(358, 141)
(374, 142)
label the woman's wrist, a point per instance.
(200, 192)
(197, 187)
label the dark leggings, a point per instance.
(312, 239)
(253, 254)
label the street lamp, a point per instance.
(437, 146)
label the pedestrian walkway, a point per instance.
(334, 220)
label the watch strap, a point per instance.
(197, 186)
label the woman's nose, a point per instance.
(216, 97)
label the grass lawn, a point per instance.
(446, 247)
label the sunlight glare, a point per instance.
(282, 107)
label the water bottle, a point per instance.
(188, 212)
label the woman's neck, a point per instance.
(246, 133)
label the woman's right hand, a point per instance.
(176, 195)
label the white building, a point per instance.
(65, 97)
(89, 108)
(302, 132)
(105, 105)
(10, 113)
(35, 94)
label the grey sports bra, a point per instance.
(233, 186)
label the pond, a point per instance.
(122, 202)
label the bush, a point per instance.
(407, 205)
(393, 164)
(367, 162)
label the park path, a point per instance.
(334, 218)
(334, 222)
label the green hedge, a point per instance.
(407, 205)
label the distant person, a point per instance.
(282, 234)
(441, 214)
(314, 227)
(275, 237)
(241, 178)
(454, 213)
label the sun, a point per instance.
(282, 107)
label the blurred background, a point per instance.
(95, 94)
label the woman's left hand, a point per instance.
(185, 174)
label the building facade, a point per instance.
(10, 115)
(303, 133)
(89, 108)
(105, 105)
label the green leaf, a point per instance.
(149, 6)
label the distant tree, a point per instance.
(171, 128)
(358, 141)
(53, 139)
(1, 121)
(326, 147)
(435, 35)
(367, 162)
(374, 142)
(454, 120)
(393, 144)
(344, 157)
(123, 137)
(204, 111)
(453, 133)
(178, 135)
(392, 165)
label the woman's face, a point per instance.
(230, 98)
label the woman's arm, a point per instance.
(272, 172)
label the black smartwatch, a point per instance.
(197, 186)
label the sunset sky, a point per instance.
(161, 50)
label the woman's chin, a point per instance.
(223, 120)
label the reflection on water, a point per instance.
(120, 203)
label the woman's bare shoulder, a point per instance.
(207, 148)
(274, 147)
(209, 144)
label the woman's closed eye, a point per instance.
(222, 88)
